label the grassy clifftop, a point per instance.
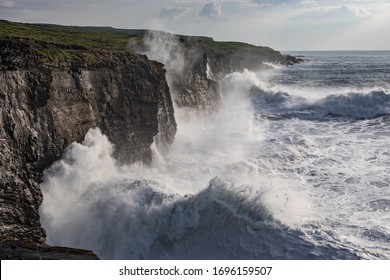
(56, 42)
(92, 38)
(59, 43)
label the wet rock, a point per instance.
(47, 105)
(22, 250)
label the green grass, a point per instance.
(59, 55)
(231, 45)
(240, 47)
(233, 48)
(58, 43)
(92, 38)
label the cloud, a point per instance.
(281, 24)
(44, 5)
(212, 10)
(173, 13)
(335, 14)
(275, 2)
(6, 3)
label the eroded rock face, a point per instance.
(192, 86)
(46, 106)
(186, 69)
(196, 65)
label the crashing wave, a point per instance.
(355, 105)
(206, 198)
(136, 219)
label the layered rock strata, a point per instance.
(51, 97)
(46, 105)
(196, 65)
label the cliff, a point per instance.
(195, 65)
(46, 104)
(57, 82)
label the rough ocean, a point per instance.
(294, 165)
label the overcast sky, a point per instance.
(280, 24)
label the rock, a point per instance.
(52, 94)
(46, 105)
(195, 65)
(290, 60)
(192, 87)
(22, 250)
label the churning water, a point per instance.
(294, 165)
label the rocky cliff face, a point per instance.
(46, 105)
(195, 65)
(51, 97)
(186, 68)
(222, 63)
(191, 86)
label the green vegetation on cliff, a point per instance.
(59, 43)
(92, 38)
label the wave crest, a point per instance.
(355, 105)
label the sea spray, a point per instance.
(151, 212)
(276, 173)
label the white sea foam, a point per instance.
(275, 173)
(364, 104)
(123, 212)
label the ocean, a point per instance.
(294, 165)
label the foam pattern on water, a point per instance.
(281, 171)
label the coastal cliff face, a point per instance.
(196, 65)
(191, 86)
(46, 105)
(53, 91)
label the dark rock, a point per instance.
(290, 60)
(192, 87)
(22, 250)
(202, 63)
(45, 106)
(51, 95)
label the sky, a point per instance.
(285, 25)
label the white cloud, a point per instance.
(173, 13)
(332, 14)
(6, 3)
(281, 24)
(275, 2)
(212, 10)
